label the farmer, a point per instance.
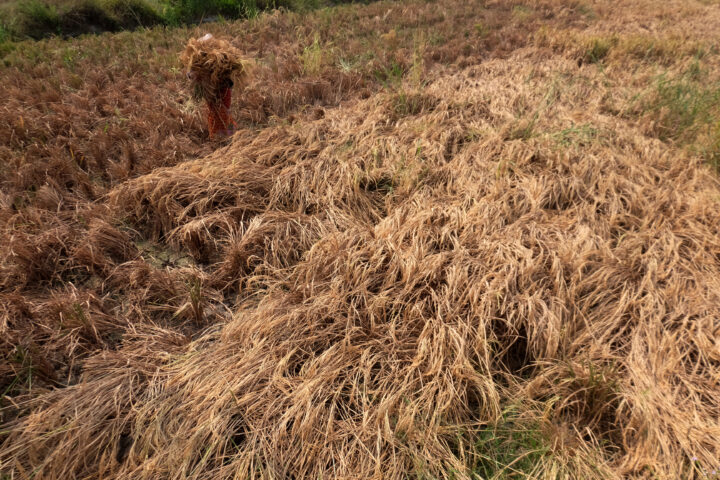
(211, 65)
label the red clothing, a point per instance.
(218, 113)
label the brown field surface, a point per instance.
(451, 240)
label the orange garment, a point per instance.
(218, 114)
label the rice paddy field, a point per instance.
(450, 240)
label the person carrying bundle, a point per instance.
(214, 66)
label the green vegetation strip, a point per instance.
(40, 18)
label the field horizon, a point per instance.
(449, 240)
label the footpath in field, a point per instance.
(505, 268)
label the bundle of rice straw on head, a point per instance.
(212, 64)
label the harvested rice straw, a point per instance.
(212, 65)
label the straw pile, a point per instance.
(213, 64)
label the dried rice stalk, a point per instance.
(212, 64)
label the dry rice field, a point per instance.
(450, 240)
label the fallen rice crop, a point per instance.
(500, 259)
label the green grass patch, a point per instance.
(481, 30)
(683, 107)
(686, 110)
(662, 49)
(521, 13)
(511, 448)
(37, 19)
(598, 48)
(389, 75)
(24, 370)
(404, 104)
(184, 11)
(523, 129)
(576, 135)
(313, 57)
